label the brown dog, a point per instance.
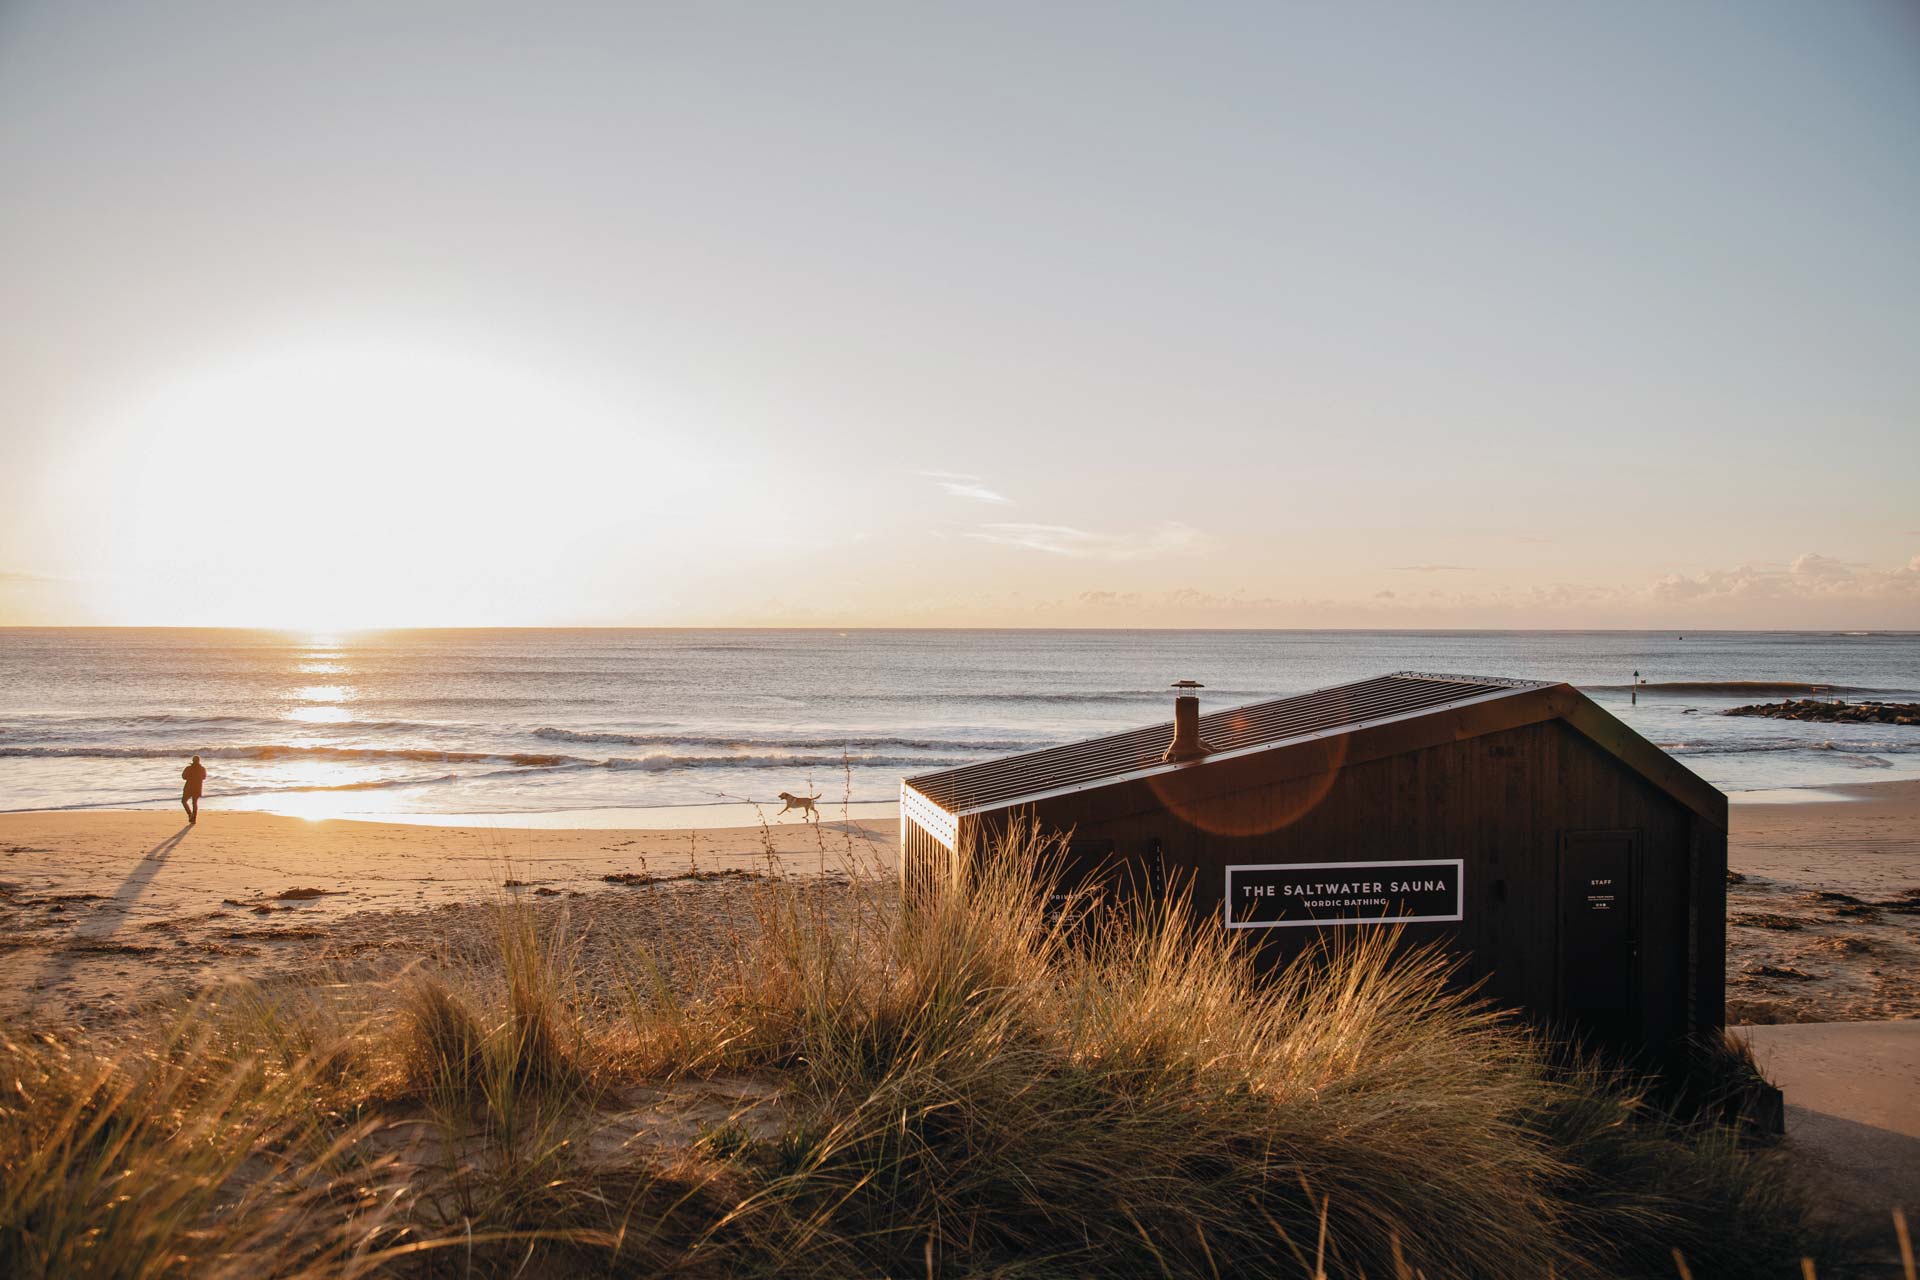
(803, 803)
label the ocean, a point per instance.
(558, 728)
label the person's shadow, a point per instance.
(162, 849)
(95, 934)
(142, 874)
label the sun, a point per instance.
(348, 486)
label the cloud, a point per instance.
(1432, 568)
(1811, 591)
(959, 484)
(975, 492)
(1811, 577)
(1238, 600)
(1821, 569)
(1164, 539)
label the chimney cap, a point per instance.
(1187, 743)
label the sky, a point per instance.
(343, 314)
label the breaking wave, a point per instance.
(1155, 697)
(380, 784)
(851, 742)
(521, 762)
(53, 727)
(778, 761)
(284, 751)
(1741, 687)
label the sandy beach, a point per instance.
(109, 911)
(105, 911)
(1824, 907)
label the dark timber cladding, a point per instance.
(1577, 868)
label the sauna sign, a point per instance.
(1313, 894)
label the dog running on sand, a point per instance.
(803, 803)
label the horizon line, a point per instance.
(279, 630)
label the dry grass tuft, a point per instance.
(444, 1045)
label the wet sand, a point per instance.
(1823, 920)
(101, 912)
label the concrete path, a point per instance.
(1853, 1109)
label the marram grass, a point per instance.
(973, 1089)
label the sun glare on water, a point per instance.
(320, 715)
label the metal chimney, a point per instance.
(1187, 743)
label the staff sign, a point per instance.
(1315, 894)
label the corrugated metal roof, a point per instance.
(1011, 779)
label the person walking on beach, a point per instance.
(195, 774)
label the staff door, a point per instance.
(1599, 936)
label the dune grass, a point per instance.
(976, 1088)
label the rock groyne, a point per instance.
(1835, 712)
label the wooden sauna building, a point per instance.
(1578, 870)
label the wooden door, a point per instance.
(1599, 937)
